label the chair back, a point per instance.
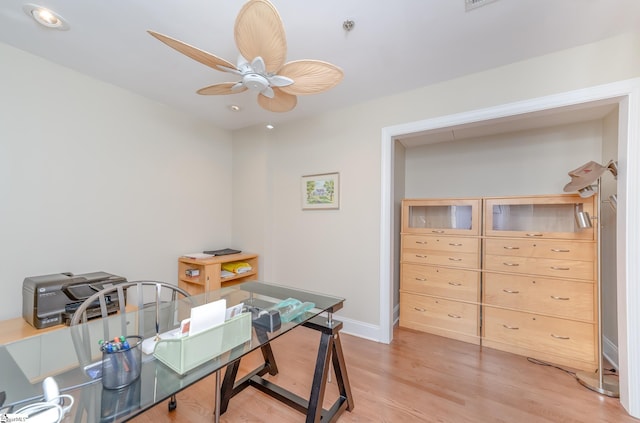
(160, 316)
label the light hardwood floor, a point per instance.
(417, 378)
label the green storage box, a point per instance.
(184, 354)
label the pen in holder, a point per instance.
(121, 361)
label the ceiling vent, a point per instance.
(474, 4)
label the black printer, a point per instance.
(50, 300)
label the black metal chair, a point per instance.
(161, 311)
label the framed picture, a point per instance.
(321, 191)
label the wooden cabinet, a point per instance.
(440, 269)
(539, 272)
(512, 273)
(209, 272)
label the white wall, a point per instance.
(519, 163)
(305, 248)
(338, 251)
(95, 178)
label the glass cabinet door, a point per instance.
(542, 217)
(441, 216)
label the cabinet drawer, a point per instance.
(441, 258)
(575, 340)
(441, 281)
(574, 300)
(554, 249)
(423, 313)
(571, 269)
(441, 243)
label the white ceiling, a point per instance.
(395, 45)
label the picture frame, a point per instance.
(320, 191)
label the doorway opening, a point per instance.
(625, 96)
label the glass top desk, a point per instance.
(62, 354)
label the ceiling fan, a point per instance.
(260, 38)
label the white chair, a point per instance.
(159, 309)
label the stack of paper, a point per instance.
(198, 255)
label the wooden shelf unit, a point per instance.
(210, 272)
(511, 273)
(440, 269)
(539, 273)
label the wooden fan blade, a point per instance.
(221, 89)
(259, 32)
(281, 101)
(195, 53)
(310, 76)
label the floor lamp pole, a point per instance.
(604, 384)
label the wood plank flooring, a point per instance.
(417, 378)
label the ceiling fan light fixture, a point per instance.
(46, 17)
(255, 82)
(260, 39)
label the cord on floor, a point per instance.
(611, 371)
(545, 363)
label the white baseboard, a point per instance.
(360, 329)
(366, 330)
(610, 352)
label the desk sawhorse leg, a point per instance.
(329, 351)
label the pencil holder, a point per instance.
(121, 361)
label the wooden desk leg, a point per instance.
(314, 412)
(340, 368)
(329, 352)
(227, 390)
(269, 359)
(230, 387)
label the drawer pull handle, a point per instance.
(560, 250)
(560, 268)
(534, 234)
(421, 242)
(438, 232)
(508, 291)
(511, 264)
(510, 327)
(421, 279)
(506, 247)
(560, 298)
(453, 316)
(455, 259)
(455, 283)
(422, 310)
(559, 337)
(455, 244)
(420, 256)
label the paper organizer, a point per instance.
(187, 353)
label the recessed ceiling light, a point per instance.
(269, 126)
(234, 108)
(45, 17)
